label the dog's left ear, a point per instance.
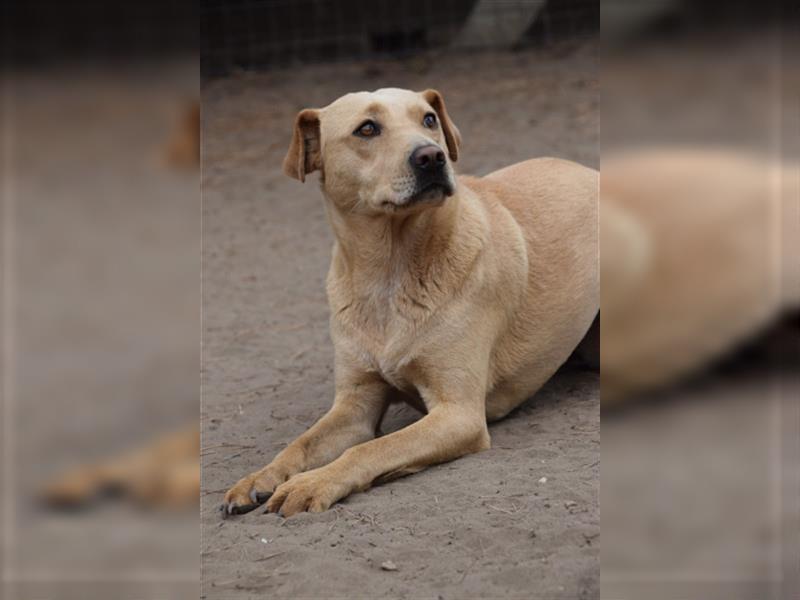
(304, 155)
(451, 134)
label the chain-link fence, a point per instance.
(37, 33)
(258, 34)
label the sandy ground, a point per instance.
(519, 520)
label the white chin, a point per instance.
(430, 197)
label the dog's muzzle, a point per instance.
(429, 166)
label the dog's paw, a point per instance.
(312, 491)
(73, 490)
(251, 492)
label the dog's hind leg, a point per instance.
(510, 394)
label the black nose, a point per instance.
(427, 158)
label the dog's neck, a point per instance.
(424, 249)
(379, 245)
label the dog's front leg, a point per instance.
(358, 408)
(448, 431)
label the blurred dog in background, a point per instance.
(163, 473)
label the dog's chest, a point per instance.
(394, 362)
(382, 343)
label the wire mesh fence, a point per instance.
(38, 33)
(259, 34)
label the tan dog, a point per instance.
(459, 295)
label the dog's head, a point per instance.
(387, 151)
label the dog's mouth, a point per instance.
(426, 192)
(431, 192)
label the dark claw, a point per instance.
(234, 509)
(259, 497)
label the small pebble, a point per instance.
(388, 566)
(543, 480)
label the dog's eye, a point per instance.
(429, 121)
(367, 129)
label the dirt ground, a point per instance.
(519, 520)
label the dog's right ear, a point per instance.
(304, 155)
(451, 133)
